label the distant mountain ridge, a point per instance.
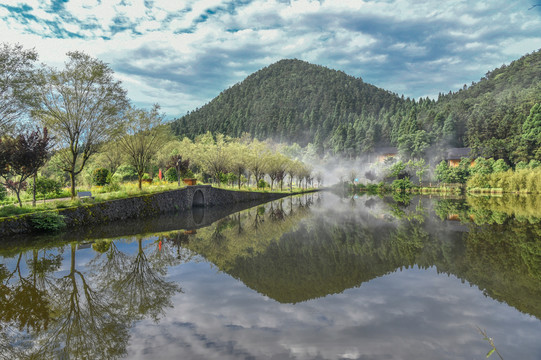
(296, 101)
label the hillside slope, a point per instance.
(290, 100)
(295, 101)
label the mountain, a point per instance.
(291, 100)
(295, 101)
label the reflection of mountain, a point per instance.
(308, 255)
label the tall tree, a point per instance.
(82, 105)
(17, 84)
(143, 139)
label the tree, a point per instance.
(46, 186)
(256, 161)
(17, 84)
(21, 158)
(110, 157)
(500, 166)
(352, 177)
(180, 166)
(238, 154)
(420, 168)
(143, 138)
(275, 167)
(443, 172)
(82, 106)
(213, 156)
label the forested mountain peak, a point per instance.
(295, 101)
(290, 100)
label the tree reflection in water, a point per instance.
(47, 314)
(288, 250)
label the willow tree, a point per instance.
(143, 138)
(239, 159)
(258, 153)
(82, 105)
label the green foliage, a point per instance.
(449, 174)
(482, 166)
(397, 169)
(521, 165)
(522, 180)
(16, 84)
(261, 184)
(531, 129)
(47, 221)
(500, 166)
(11, 210)
(46, 186)
(3, 192)
(171, 175)
(188, 174)
(101, 246)
(125, 173)
(112, 186)
(100, 176)
(99, 109)
(442, 172)
(327, 102)
(534, 164)
(402, 185)
(344, 115)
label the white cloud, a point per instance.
(381, 41)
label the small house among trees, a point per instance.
(383, 153)
(454, 155)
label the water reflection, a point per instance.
(48, 312)
(315, 276)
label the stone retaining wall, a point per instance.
(144, 206)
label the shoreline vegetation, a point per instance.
(128, 190)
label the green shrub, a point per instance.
(401, 185)
(101, 246)
(500, 166)
(188, 174)
(482, 166)
(534, 164)
(100, 176)
(11, 210)
(3, 192)
(125, 173)
(262, 184)
(521, 165)
(112, 186)
(171, 175)
(222, 178)
(47, 221)
(46, 186)
(232, 178)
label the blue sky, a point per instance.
(183, 53)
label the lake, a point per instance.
(316, 276)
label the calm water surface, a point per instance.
(310, 277)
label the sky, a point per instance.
(183, 53)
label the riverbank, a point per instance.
(142, 206)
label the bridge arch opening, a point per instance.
(198, 199)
